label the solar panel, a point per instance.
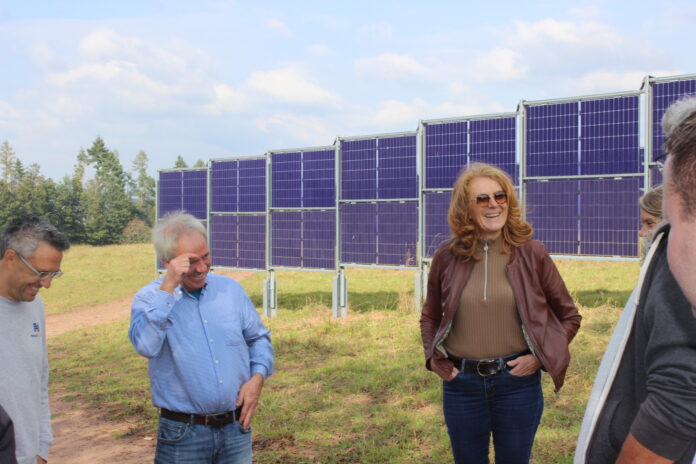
(609, 216)
(610, 137)
(664, 94)
(303, 179)
(225, 186)
(170, 191)
(397, 168)
(286, 241)
(446, 148)
(195, 193)
(436, 226)
(493, 141)
(552, 140)
(552, 209)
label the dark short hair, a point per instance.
(679, 123)
(24, 235)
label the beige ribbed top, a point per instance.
(487, 324)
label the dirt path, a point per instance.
(81, 433)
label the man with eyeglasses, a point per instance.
(31, 250)
(643, 405)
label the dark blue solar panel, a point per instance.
(252, 241)
(319, 239)
(286, 180)
(170, 193)
(609, 216)
(552, 209)
(286, 238)
(664, 94)
(493, 141)
(238, 241)
(445, 153)
(358, 232)
(552, 140)
(397, 168)
(359, 169)
(436, 226)
(195, 193)
(224, 241)
(319, 179)
(397, 232)
(610, 138)
(224, 185)
(252, 185)
(304, 179)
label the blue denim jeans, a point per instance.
(507, 406)
(182, 443)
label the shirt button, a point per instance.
(210, 339)
(221, 381)
(204, 320)
(216, 361)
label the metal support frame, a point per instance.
(270, 301)
(339, 295)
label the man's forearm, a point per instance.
(632, 452)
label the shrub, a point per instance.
(136, 231)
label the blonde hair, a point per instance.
(465, 233)
(651, 202)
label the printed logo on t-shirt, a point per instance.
(37, 330)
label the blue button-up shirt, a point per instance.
(200, 351)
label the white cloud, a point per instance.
(390, 66)
(319, 50)
(43, 55)
(227, 99)
(290, 86)
(305, 130)
(279, 27)
(500, 64)
(590, 12)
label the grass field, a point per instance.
(352, 390)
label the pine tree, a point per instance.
(180, 162)
(144, 189)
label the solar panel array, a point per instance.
(581, 171)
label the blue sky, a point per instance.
(215, 79)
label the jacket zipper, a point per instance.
(485, 270)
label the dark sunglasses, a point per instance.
(484, 199)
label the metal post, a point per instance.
(421, 291)
(270, 308)
(339, 299)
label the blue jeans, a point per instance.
(507, 406)
(182, 443)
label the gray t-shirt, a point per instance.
(24, 376)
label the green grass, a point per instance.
(95, 275)
(352, 390)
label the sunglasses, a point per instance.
(484, 198)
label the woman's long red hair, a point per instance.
(464, 230)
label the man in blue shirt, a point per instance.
(208, 351)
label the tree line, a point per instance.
(111, 206)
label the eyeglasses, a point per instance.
(484, 198)
(41, 275)
(660, 161)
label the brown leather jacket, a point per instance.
(549, 317)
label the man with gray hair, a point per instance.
(643, 405)
(208, 351)
(31, 250)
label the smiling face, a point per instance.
(23, 284)
(490, 218)
(199, 266)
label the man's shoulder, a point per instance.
(151, 287)
(222, 281)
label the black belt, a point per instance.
(210, 420)
(484, 367)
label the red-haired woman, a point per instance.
(497, 312)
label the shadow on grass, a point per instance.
(602, 296)
(359, 302)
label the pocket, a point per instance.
(170, 431)
(242, 430)
(507, 370)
